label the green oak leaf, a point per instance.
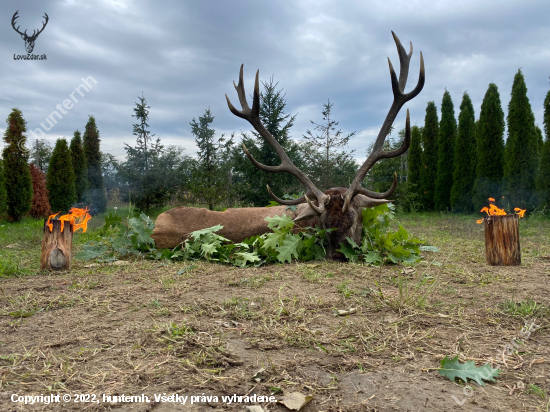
(452, 368)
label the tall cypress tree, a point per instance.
(17, 173)
(428, 175)
(415, 159)
(521, 153)
(543, 184)
(465, 155)
(79, 166)
(445, 154)
(96, 186)
(3, 194)
(40, 197)
(490, 148)
(61, 179)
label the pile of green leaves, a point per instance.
(281, 245)
(379, 244)
(119, 240)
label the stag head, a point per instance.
(29, 40)
(337, 208)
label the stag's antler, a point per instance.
(15, 16)
(399, 99)
(34, 33)
(253, 117)
(43, 26)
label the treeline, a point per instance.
(153, 175)
(451, 165)
(456, 166)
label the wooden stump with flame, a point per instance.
(501, 236)
(57, 243)
(502, 240)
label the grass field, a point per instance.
(195, 328)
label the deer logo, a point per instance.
(29, 40)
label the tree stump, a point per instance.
(57, 246)
(502, 240)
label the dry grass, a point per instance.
(144, 328)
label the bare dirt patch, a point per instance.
(142, 328)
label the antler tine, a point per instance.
(43, 24)
(15, 16)
(404, 61)
(253, 117)
(289, 202)
(389, 154)
(399, 99)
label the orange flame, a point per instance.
(493, 210)
(75, 213)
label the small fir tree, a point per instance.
(96, 187)
(40, 202)
(322, 155)
(465, 155)
(521, 155)
(17, 173)
(208, 177)
(61, 178)
(41, 153)
(79, 166)
(490, 149)
(445, 154)
(428, 175)
(150, 181)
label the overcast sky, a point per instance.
(184, 56)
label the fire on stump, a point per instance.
(57, 243)
(501, 236)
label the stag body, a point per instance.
(29, 40)
(338, 207)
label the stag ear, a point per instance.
(305, 211)
(361, 201)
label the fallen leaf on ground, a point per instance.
(296, 400)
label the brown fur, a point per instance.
(175, 225)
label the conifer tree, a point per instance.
(79, 166)
(17, 174)
(41, 152)
(540, 139)
(250, 181)
(3, 194)
(96, 186)
(490, 149)
(415, 159)
(445, 154)
(465, 154)
(61, 179)
(428, 175)
(326, 165)
(208, 176)
(40, 202)
(521, 153)
(543, 185)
